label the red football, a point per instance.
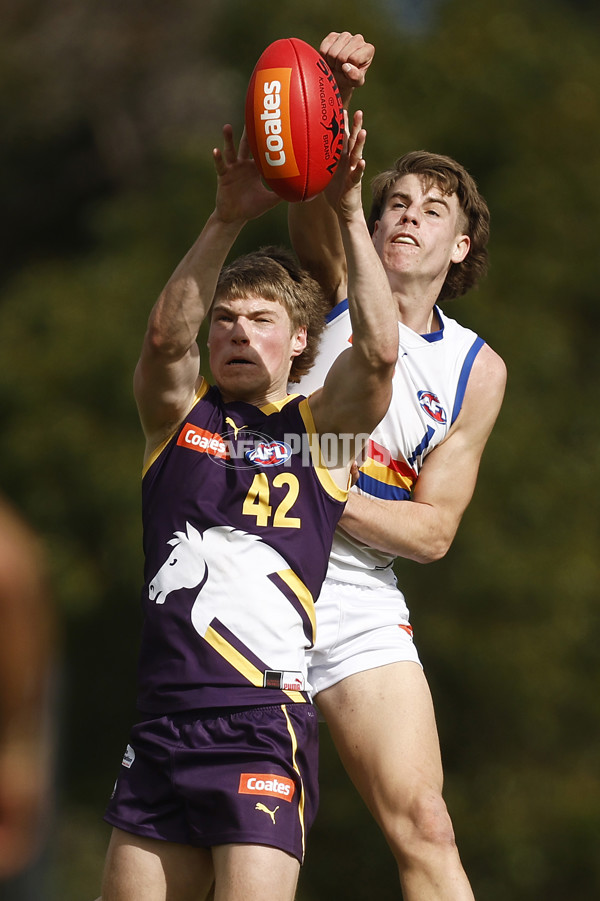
(294, 119)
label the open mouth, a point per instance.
(405, 239)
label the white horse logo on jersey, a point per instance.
(232, 569)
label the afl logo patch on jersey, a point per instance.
(273, 453)
(432, 406)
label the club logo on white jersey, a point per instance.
(432, 406)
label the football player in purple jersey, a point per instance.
(218, 781)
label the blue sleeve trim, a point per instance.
(464, 376)
(337, 310)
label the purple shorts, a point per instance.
(244, 777)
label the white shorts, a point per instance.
(358, 628)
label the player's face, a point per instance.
(420, 233)
(251, 345)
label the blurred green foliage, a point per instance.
(109, 112)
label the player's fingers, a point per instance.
(244, 152)
(356, 143)
(346, 128)
(328, 42)
(229, 152)
(343, 47)
(338, 46)
(219, 162)
(356, 161)
(359, 52)
(357, 124)
(352, 55)
(357, 171)
(359, 144)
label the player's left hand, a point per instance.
(241, 193)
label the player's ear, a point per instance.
(375, 234)
(461, 248)
(300, 339)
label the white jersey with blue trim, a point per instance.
(428, 389)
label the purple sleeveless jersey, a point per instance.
(238, 518)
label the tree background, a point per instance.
(109, 114)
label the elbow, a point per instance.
(382, 366)
(388, 355)
(160, 343)
(157, 339)
(434, 537)
(380, 353)
(433, 550)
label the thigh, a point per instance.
(383, 725)
(145, 869)
(359, 627)
(253, 873)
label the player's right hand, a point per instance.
(348, 56)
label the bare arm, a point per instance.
(168, 371)
(313, 226)
(26, 661)
(357, 389)
(423, 528)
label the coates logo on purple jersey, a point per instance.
(273, 453)
(432, 406)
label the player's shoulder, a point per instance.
(490, 368)
(486, 385)
(487, 365)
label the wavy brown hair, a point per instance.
(274, 274)
(451, 178)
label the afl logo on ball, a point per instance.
(430, 403)
(269, 454)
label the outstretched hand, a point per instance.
(348, 56)
(344, 192)
(241, 193)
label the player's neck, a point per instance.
(272, 396)
(416, 298)
(417, 312)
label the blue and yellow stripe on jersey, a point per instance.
(382, 476)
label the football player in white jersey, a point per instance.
(430, 229)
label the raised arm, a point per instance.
(168, 371)
(358, 387)
(423, 528)
(313, 226)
